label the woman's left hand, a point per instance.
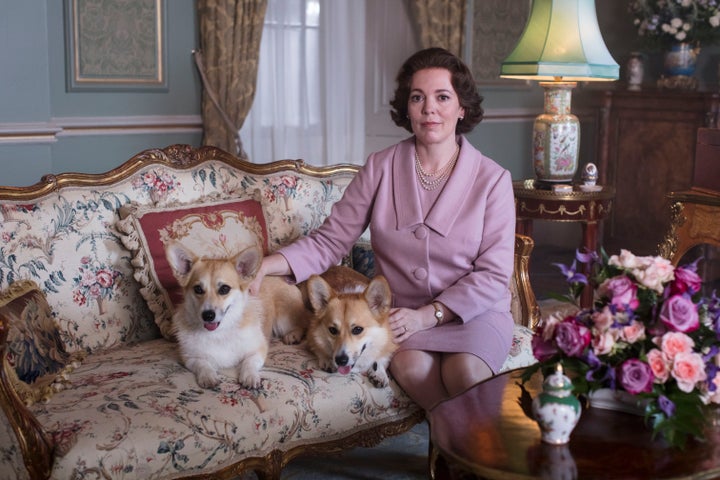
(404, 322)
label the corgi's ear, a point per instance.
(181, 261)
(378, 295)
(318, 292)
(248, 262)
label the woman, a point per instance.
(442, 219)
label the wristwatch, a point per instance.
(438, 313)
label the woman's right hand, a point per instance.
(274, 264)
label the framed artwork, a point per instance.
(115, 45)
(495, 28)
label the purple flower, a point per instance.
(543, 349)
(636, 376)
(680, 314)
(686, 280)
(622, 292)
(571, 274)
(572, 337)
(666, 405)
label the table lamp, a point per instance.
(561, 45)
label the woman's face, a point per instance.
(433, 106)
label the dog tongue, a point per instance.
(211, 326)
(344, 370)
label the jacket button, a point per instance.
(421, 232)
(420, 273)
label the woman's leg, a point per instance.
(460, 371)
(418, 373)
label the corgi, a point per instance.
(349, 329)
(220, 325)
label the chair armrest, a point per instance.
(523, 295)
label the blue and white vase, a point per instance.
(556, 409)
(681, 60)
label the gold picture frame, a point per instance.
(115, 45)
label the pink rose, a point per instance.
(679, 313)
(603, 319)
(636, 376)
(572, 337)
(659, 365)
(658, 272)
(685, 281)
(674, 343)
(688, 369)
(621, 291)
(603, 343)
(105, 278)
(633, 332)
(626, 260)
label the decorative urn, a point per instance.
(556, 409)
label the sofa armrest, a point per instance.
(34, 443)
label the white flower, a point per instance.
(686, 3)
(715, 20)
(681, 36)
(676, 22)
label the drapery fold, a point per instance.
(230, 34)
(441, 23)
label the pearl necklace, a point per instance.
(431, 181)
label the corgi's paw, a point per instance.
(293, 337)
(250, 379)
(327, 366)
(207, 378)
(378, 376)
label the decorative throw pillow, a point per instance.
(215, 229)
(35, 360)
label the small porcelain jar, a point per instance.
(556, 409)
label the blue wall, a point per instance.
(46, 129)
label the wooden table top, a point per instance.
(486, 431)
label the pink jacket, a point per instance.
(460, 254)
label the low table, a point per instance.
(485, 432)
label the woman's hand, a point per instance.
(406, 321)
(274, 264)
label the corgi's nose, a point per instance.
(208, 315)
(342, 359)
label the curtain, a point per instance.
(311, 84)
(441, 23)
(230, 33)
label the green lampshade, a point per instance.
(561, 39)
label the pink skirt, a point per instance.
(487, 336)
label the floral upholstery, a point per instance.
(130, 409)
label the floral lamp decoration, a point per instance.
(679, 28)
(650, 333)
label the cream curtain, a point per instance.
(441, 23)
(230, 33)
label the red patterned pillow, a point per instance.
(215, 229)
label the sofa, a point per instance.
(91, 384)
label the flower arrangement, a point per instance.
(662, 23)
(649, 333)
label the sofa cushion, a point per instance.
(212, 229)
(35, 353)
(138, 411)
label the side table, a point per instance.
(586, 208)
(485, 432)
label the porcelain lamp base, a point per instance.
(556, 135)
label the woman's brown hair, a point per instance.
(461, 78)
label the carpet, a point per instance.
(402, 457)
